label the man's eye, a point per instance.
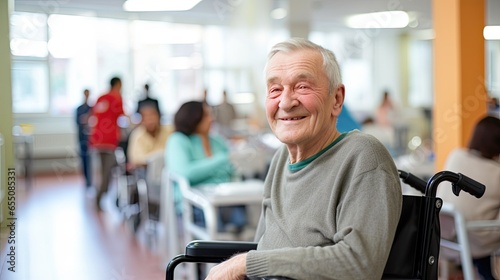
(274, 91)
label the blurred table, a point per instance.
(244, 192)
(210, 197)
(23, 150)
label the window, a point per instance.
(85, 52)
(420, 74)
(56, 57)
(28, 35)
(30, 87)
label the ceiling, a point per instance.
(321, 14)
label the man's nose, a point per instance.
(288, 99)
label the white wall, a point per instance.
(386, 68)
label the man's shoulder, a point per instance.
(147, 100)
(80, 108)
(281, 154)
(138, 130)
(115, 95)
(104, 97)
(84, 107)
(110, 95)
(358, 138)
(362, 147)
(103, 103)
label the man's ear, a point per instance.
(338, 96)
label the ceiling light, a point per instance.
(159, 5)
(491, 32)
(392, 19)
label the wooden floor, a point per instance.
(60, 236)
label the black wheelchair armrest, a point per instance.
(218, 249)
(202, 251)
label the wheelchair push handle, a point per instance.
(412, 180)
(459, 182)
(469, 185)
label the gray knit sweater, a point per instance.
(334, 218)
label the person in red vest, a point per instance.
(105, 133)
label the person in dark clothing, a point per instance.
(148, 101)
(82, 116)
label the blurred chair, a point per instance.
(23, 141)
(149, 191)
(126, 184)
(120, 173)
(454, 224)
(210, 197)
(171, 231)
(122, 189)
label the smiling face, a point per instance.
(299, 108)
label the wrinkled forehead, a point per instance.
(296, 54)
(304, 63)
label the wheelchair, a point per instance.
(415, 249)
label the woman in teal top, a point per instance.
(200, 157)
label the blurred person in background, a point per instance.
(147, 100)
(82, 119)
(148, 138)
(224, 115)
(384, 115)
(105, 132)
(202, 158)
(480, 161)
(146, 142)
(493, 106)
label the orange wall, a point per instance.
(459, 95)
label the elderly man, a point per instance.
(332, 200)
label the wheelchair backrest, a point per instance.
(415, 249)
